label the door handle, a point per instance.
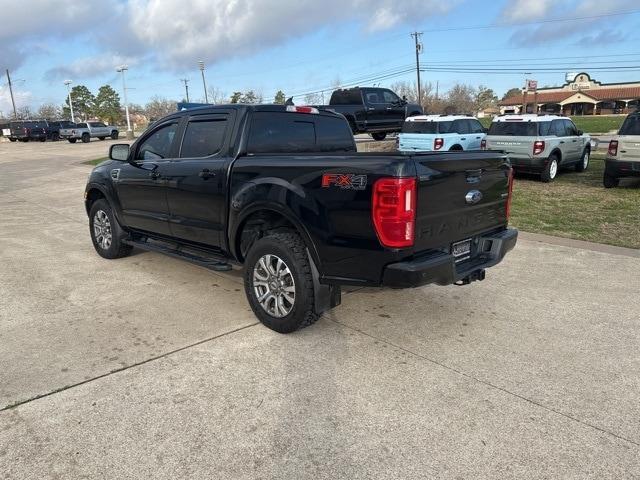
(206, 173)
(370, 109)
(389, 108)
(154, 175)
(574, 141)
(463, 138)
(561, 141)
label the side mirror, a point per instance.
(580, 132)
(119, 152)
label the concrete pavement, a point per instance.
(149, 367)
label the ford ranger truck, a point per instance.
(540, 144)
(282, 191)
(623, 156)
(373, 110)
(426, 133)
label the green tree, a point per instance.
(235, 97)
(512, 92)
(107, 105)
(485, 98)
(279, 99)
(83, 101)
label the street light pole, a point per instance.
(68, 84)
(122, 69)
(204, 82)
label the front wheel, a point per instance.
(86, 138)
(114, 135)
(378, 136)
(609, 181)
(101, 138)
(43, 139)
(582, 165)
(278, 282)
(71, 140)
(550, 170)
(106, 234)
(13, 139)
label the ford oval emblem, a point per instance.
(473, 197)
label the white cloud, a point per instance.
(526, 10)
(90, 66)
(22, 98)
(217, 29)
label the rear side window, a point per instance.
(203, 138)
(631, 125)
(346, 97)
(460, 126)
(516, 129)
(275, 132)
(426, 127)
(333, 135)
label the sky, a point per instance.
(302, 46)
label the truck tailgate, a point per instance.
(460, 194)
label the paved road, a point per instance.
(149, 367)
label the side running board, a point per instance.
(211, 261)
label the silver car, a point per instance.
(623, 156)
(541, 144)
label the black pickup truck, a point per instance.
(282, 190)
(377, 111)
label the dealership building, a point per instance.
(580, 95)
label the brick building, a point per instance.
(580, 96)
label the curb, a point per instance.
(581, 244)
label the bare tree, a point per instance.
(217, 96)
(313, 99)
(158, 107)
(49, 111)
(24, 113)
(461, 99)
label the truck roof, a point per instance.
(437, 118)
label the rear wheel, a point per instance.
(550, 170)
(582, 165)
(86, 138)
(55, 137)
(71, 140)
(378, 136)
(13, 139)
(278, 282)
(610, 181)
(456, 148)
(106, 234)
(43, 139)
(101, 138)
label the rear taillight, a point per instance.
(394, 211)
(483, 144)
(613, 148)
(510, 194)
(438, 143)
(538, 147)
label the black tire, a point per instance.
(116, 248)
(13, 139)
(85, 138)
(101, 138)
(55, 137)
(583, 164)
(114, 135)
(43, 139)
(379, 136)
(609, 181)
(24, 140)
(72, 140)
(291, 250)
(456, 148)
(550, 172)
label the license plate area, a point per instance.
(461, 250)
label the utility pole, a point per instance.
(13, 102)
(122, 69)
(68, 84)
(204, 82)
(186, 87)
(416, 37)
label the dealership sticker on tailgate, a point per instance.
(461, 250)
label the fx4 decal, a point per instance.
(345, 181)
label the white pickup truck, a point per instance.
(87, 131)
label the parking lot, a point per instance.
(150, 367)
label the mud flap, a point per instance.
(326, 297)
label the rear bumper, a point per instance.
(618, 168)
(442, 269)
(523, 162)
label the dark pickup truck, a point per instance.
(282, 190)
(377, 111)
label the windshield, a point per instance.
(426, 127)
(631, 125)
(516, 129)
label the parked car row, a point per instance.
(43, 130)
